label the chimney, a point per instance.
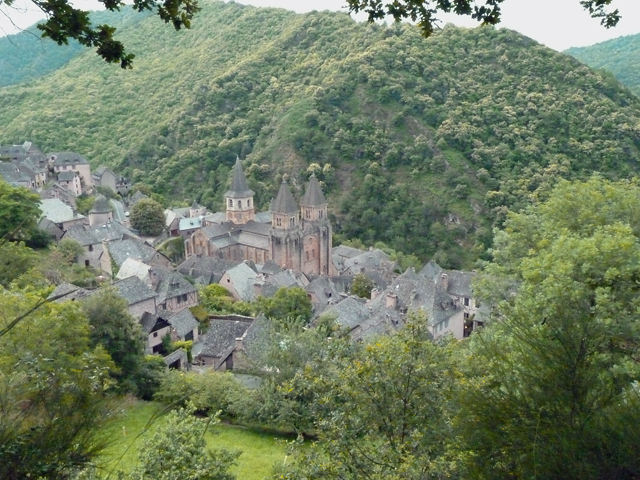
(391, 301)
(444, 281)
(374, 293)
(239, 343)
(153, 277)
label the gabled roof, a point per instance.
(67, 158)
(66, 176)
(189, 223)
(431, 270)
(57, 211)
(221, 336)
(183, 321)
(239, 187)
(133, 290)
(151, 322)
(349, 313)
(121, 250)
(211, 268)
(68, 291)
(284, 201)
(94, 234)
(313, 196)
(170, 284)
(242, 278)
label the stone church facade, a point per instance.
(294, 237)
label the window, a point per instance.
(307, 213)
(155, 334)
(91, 248)
(466, 302)
(279, 222)
(86, 263)
(313, 253)
(307, 255)
(230, 203)
(239, 203)
(292, 221)
(321, 213)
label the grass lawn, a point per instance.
(260, 451)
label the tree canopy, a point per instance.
(488, 12)
(147, 216)
(65, 22)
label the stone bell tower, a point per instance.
(286, 234)
(316, 231)
(239, 199)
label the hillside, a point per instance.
(26, 55)
(422, 144)
(620, 56)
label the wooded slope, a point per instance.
(422, 144)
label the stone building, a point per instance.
(294, 237)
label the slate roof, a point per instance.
(152, 322)
(243, 278)
(313, 196)
(239, 187)
(217, 217)
(284, 201)
(133, 290)
(220, 336)
(170, 284)
(183, 321)
(459, 283)
(270, 268)
(211, 268)
(57, 211)
(66, 158)
(285, 278)
(119, 212)
(94, 234)
(14, 176)
(100, 205)
(195, 205)
(121, 250)
(431, 270)
(349, 313)
(66, 176)
(254, 339)
(263, 217)
(371, 260)
(325, 291)
(68, 292)
(177, 355)
(136, 197)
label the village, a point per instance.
(249, 253)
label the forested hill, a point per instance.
(620, 56)
(422, 144)
(26, 55)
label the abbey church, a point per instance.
(294, 237)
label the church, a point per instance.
(294, 237)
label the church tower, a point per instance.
(285, 230)
(316, 231)
(239, 199)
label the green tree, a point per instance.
(177, 450)
(486, 11)
(147, 216)
(362, 286)
(287, 303)
(65, 21)
(119, 333)
(70, 250)
(557, 373)
(52, 389)
(380, 410)
(19, 212)
(15, 259)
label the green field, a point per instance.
(260, 451)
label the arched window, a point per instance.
(313, 253)
(307, 255)
(239, 203)
(230, 203)
(321, 214)
(292, 221)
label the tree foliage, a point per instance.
(19, 212)
(488, 12)
(361, 286)
(178, 450)
(290, 303)
(52, 386)
(557, 374)
(147, 216)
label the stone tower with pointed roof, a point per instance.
(239, 199)
(316, 230)
(101, 212)
(286, 231)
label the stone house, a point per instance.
(94, 237)
(139, 296)
(55, 190)
(61, 215)
(71, 181)
(103, 177)
(220, 338)
(71, 161)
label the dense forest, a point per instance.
(27, 56)
(619, 56)
(423, 144)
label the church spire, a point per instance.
(313, 196)
(239, 187)
(284, 201)
(239, 198)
